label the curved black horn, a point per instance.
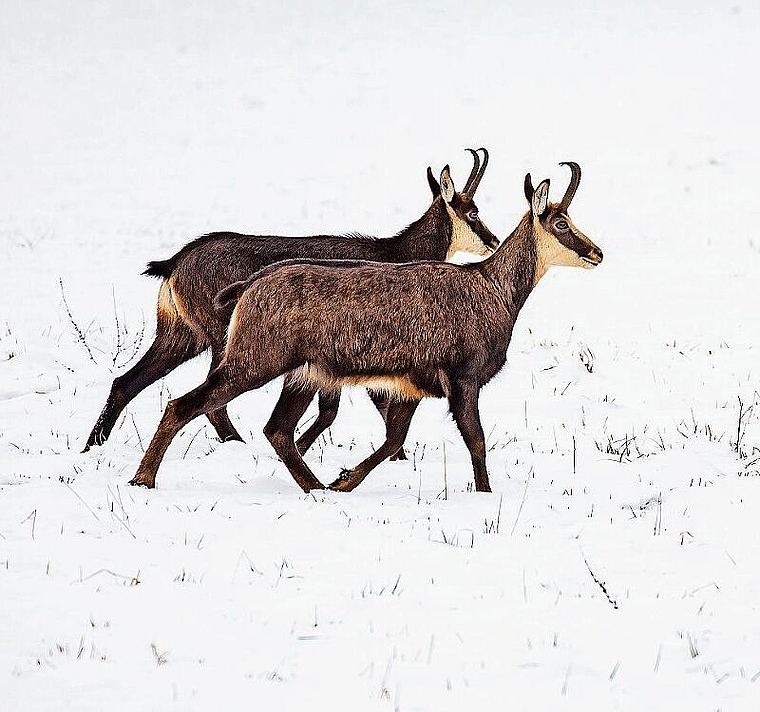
(575, 179)
(528, 186)
(476, 181)
(473, 172)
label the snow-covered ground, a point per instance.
(615, 566)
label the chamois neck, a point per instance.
(513, 268)
(428, 238)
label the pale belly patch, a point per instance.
(397, 387)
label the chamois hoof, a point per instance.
(93, 441)
(343, 483)
(143, 481)
(400, 455)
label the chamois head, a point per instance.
(558, 241)
(468, 233)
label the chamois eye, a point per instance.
(561, 225)
(472, 215)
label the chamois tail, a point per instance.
(161, 268)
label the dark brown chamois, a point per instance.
(414, 330)
(188, 323)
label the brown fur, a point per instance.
(425, 329)
(196, 274)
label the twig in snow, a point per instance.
(33, 516)
(133, 580)
(192, 440)
(81, 500)
(522, 501)
(601, 585)
(117, 351)
(159, 657)
(80, 335)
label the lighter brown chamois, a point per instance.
(188, 324)
(419, 330)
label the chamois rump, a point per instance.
(188, 324)
(418, 330)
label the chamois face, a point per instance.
(468, 232)
(558, 241)
(566, 244)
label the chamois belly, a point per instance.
(398, 387)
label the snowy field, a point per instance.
(615, 565)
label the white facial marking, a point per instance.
(463, 237)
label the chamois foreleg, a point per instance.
(463, 403)
(221, 386)
(280, 431)
(174, 344)
(397, 426)
(219, 418)
(382, 401)
(328, 411)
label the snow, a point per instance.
(613, 567)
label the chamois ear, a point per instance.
(433, 183)
(447, 185)
(528, 187)
(540, 201)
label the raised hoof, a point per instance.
(143, 481)
(400, 455)
(230, 438)
(343, 483)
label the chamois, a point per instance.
(416, 330)
(188, 324)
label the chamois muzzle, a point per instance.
(594, 257)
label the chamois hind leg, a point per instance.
(382, 401)
(328, 410)
(221, 386)
(463, 402)
(397, 425)
(219, 418)
(174, 344)
(280, 431)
